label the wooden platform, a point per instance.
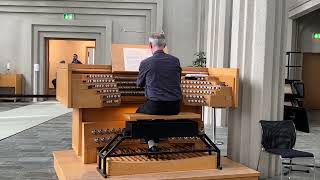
(68, 166)
(119, 166)
(181, 115)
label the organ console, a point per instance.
(105, 99)
(105, 88)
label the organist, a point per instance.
(160, 75)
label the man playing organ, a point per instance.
(104, 118)
(160, 75)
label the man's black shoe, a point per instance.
(153, 149)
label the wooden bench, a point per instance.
(141, 116)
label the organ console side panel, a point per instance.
(213, 87)
(83, 86)
(63, 91)
(77, 130)
(231, 78)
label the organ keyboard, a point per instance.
(111, 89)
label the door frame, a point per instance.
(49, 90)
(77, 29)
(87, 51)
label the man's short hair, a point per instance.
(62, 62)
(75, 54)
(157, 39)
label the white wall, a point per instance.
(298, 8)
(296, 3)
(14, 49)
(180, 25)
(131, 21)
(10, 46)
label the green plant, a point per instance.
(200, 59)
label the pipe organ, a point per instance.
(105, 99)
(100, 99)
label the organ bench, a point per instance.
(104, 131)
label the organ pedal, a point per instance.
(161, 127)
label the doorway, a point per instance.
(90, 53)
(62, 51)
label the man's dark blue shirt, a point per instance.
(76, 61)
(160, 74)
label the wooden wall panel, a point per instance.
(310, 76)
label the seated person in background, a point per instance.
(160, 74)
(75, 59)
(54, 81)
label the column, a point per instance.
(258, 49)
(202, 24)
(218, 46)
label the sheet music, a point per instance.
(133, 57)
(196, 75)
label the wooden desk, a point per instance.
(11, 81)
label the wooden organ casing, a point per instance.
(100, 98)
(102, 95)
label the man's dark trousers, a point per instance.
(159, 108)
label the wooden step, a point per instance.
(141, 116)
(141, 164)
(131, 166)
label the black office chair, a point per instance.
(279, 138)
(298, 91)
(299, 116)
